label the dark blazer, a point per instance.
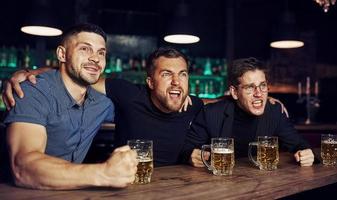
(216, 120)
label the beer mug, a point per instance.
(144, 149)
(222, 156)
(267, 152)
(329, 149)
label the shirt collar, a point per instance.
(66, 96)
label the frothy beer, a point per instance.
(267, 156)
(329, 152)
(222, 160)
(144, 171)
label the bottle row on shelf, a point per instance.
(198, 66)
(209, 87)
(203, 86)
(207, 75)
(26, 57)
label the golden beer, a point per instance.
(222, 161)
(329, 152)
(144, 149)
(144, 171)
(267, 156)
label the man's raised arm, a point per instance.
(13, 84)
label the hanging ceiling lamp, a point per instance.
(180, 29)
(40, 20)
(286, 35)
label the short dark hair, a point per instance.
(241, 66)
(167, 52)
(85, 27)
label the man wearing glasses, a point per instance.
(244, 116)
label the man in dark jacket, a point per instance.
(244, 116)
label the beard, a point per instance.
(80, 77)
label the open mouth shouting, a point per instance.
(175, 93)
(257, 104)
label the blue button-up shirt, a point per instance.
(70, 127)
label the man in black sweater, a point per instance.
(244, 116)
(151, 112)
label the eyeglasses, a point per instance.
(251, 88)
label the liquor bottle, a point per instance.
(224, 68)
(192, 88)
(143, 63)
(3, 57)
(207, 67)
(26, 58)
(12, 60)
(118, 65)
(211, 87)
(197, 88)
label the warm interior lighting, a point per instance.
(41, 30)
(287, 44)
(181, 39)
(325, 4)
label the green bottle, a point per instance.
(3, 57)
(208, 67)
(12, 57)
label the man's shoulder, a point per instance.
(197, 103)
(43, 84)
(99, 96)
(121, 87)
(196, 100)
(118, 82)
(274, 109)
(219, 104)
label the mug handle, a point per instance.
(251, 144)
(209, 167)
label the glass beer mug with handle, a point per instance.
(144, 149)
(222, 156)
(329, 149)
(267, 152)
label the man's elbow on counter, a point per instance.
(22, 178)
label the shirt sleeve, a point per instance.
(121, 91)
(197, 135)
(32, 108)
(197, 104)
(110, 113)
(290, 139)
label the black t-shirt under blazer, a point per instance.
(217, 119)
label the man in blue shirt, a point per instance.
(52, 127)
(151, 111)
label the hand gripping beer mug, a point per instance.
(267, 152)
(222, 156)
(144, 149)
(329, 149)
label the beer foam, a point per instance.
(145, 159)
(330, 141)
(222, 151)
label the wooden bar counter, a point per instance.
(186, 182)
(300, 127)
